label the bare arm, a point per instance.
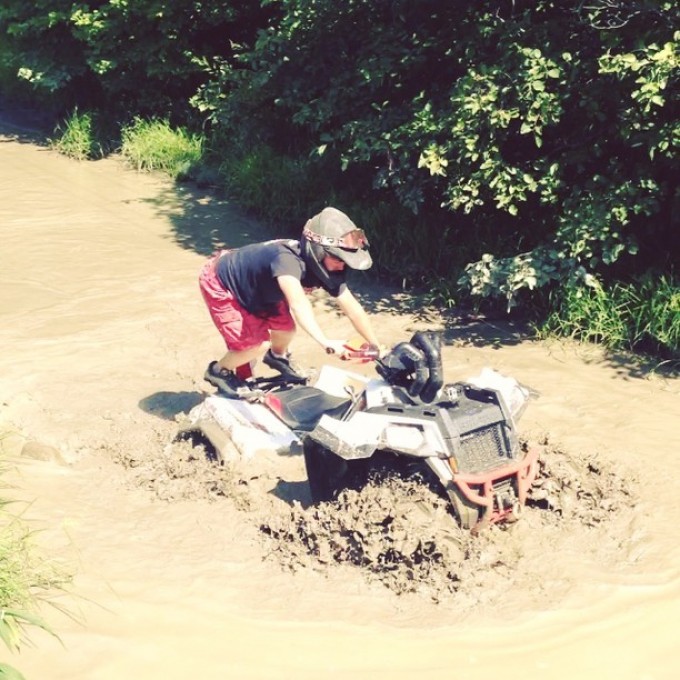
(302, 311)
(357, 316)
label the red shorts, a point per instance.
(240, 329)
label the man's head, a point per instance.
(332, 233)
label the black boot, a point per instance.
(225, 381)
(284, 366)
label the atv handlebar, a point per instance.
(364, 353)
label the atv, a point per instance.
(465, 432)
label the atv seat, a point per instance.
(301, 407)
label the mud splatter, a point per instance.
(579, 488)
(185, 469)
(399, 529)
(395, 525)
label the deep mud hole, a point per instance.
(398, 528)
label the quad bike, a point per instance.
(465, 432)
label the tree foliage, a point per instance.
(559, 121)
(144, 57)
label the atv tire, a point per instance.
(466, 512)
(325, 471)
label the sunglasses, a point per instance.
(352, 240)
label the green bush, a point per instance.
(155, 145)
(553, 123)
(125, 57)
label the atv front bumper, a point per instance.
(502, 492)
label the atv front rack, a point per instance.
(495, 495)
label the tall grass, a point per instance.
(643, 315)
(76, 137)
(273, 186)
(155, 145)
(26, 579)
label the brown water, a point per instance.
(104, 339)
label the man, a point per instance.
(256, 296)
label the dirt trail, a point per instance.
(105, 341)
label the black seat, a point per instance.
(301, 407)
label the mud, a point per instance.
(396, 526)
(400, 530)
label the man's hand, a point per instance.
(383, 350)
(336, 347)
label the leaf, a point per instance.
(8, 672)
(9, 633)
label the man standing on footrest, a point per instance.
(256, 296)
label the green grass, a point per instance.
(76, 137)
(643, 315)
(154, 145)
(273, 186)
(26, 580)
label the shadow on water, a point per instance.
(167, 405)
(24, 124)
(628, 365)
(10, 132)
(204, 221)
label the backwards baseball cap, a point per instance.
(339, 236)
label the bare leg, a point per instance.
(280, 340)
(233, 359)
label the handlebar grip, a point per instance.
(364, 353)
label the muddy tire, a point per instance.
(325, 471)
(466, 512)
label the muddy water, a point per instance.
(104, 340)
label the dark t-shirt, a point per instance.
(251, 272)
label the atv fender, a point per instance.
(323, 435)
(238, 429)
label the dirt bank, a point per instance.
(183, 569)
